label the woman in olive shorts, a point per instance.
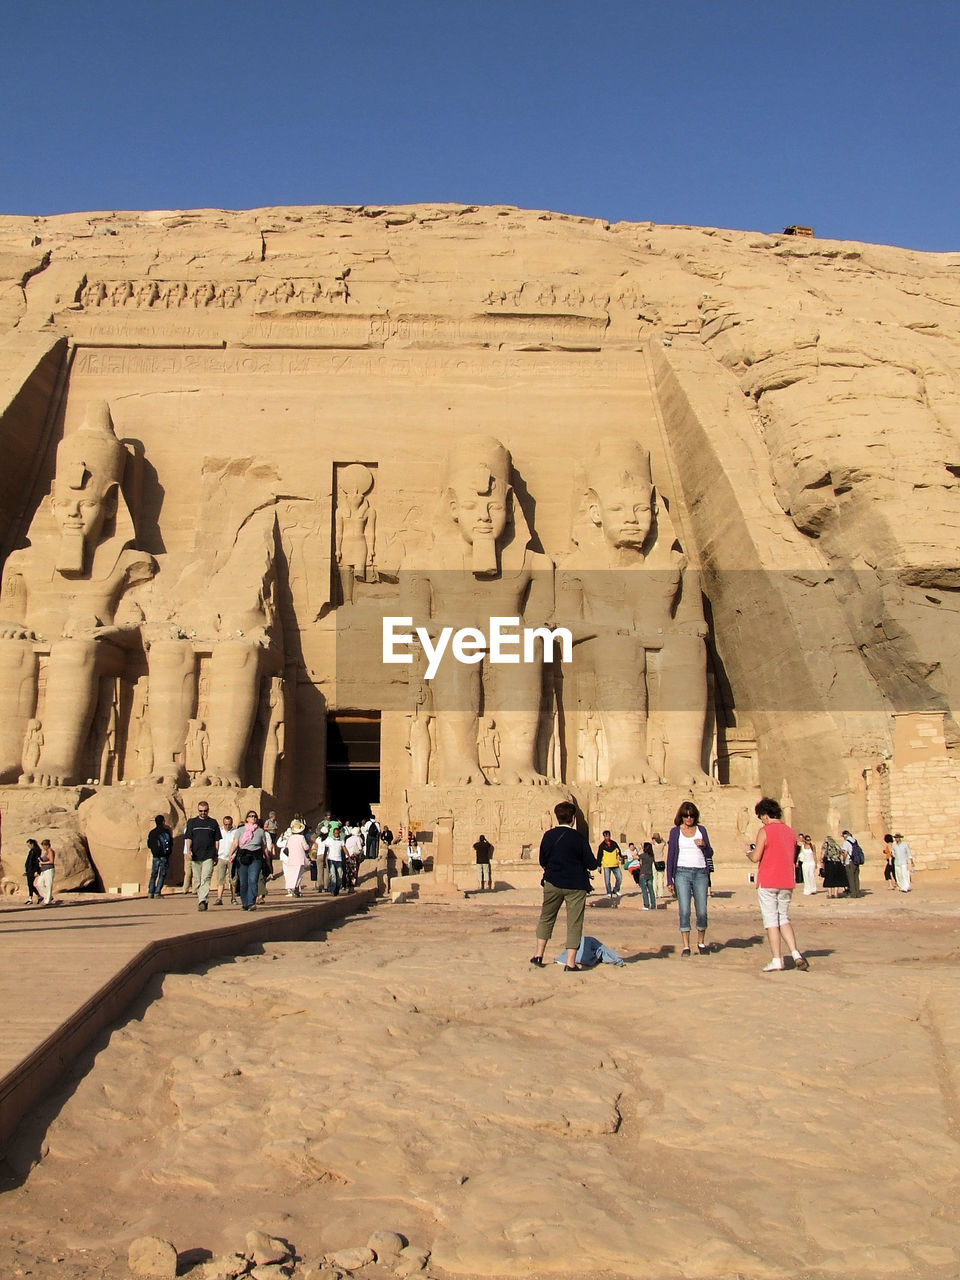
(567, 861)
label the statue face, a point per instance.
(480, 515)
(625, 515)
(83, 510)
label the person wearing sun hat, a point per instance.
(295, 856)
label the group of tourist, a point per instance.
(783, 859)
(223, 856)
(219, 854)
(840, 862)
(646, 865)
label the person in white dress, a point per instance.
(808, 865)
(295, 856)
(902, 862)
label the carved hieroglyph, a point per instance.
(233, 442)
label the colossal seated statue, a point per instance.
(633, 605)
(478, 565)
(64, 599)
(215, 606)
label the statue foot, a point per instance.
(463, 778)
(27, 779)
(525, 777)
(631, 773)
(693, 778)
(170, 778)
(223, 778)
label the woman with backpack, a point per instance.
(852, 862)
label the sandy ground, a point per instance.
(411, 1070)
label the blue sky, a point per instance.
(746, 113)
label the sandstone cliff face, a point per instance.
(799, 400)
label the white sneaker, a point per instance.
(774, 966)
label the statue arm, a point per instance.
(338, 537)
(370, 535)
(13, 601)
(541, 596)
(689, 619)
(569, 611)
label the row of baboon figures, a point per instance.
(113, 666)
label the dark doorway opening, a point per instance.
(353, 763)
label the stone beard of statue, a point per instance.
(650, 604)
(65, 591)
(480, 566)
(355, 529)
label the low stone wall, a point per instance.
(925, 808)
(24, 1086)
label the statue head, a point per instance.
(86, 488)
(353, 484)
(478, 496)
(619, 499)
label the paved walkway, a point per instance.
(69, 970)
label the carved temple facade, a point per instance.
(234, 443)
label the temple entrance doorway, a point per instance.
(353, 763)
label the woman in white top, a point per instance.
(414, 856)
(808, 865)
(689, 863)
(333, 852)
(45, 872)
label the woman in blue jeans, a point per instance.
(252, 846)
(689, 862)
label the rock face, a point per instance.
(151, 1256)
(237, 444)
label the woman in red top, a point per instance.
(774, 851)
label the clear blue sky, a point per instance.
(843, 114)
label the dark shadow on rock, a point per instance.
(190, 1258)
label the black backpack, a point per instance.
(856, 854)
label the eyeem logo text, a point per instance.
(506, 642)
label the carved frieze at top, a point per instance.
(562, 295)
(262, 294)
